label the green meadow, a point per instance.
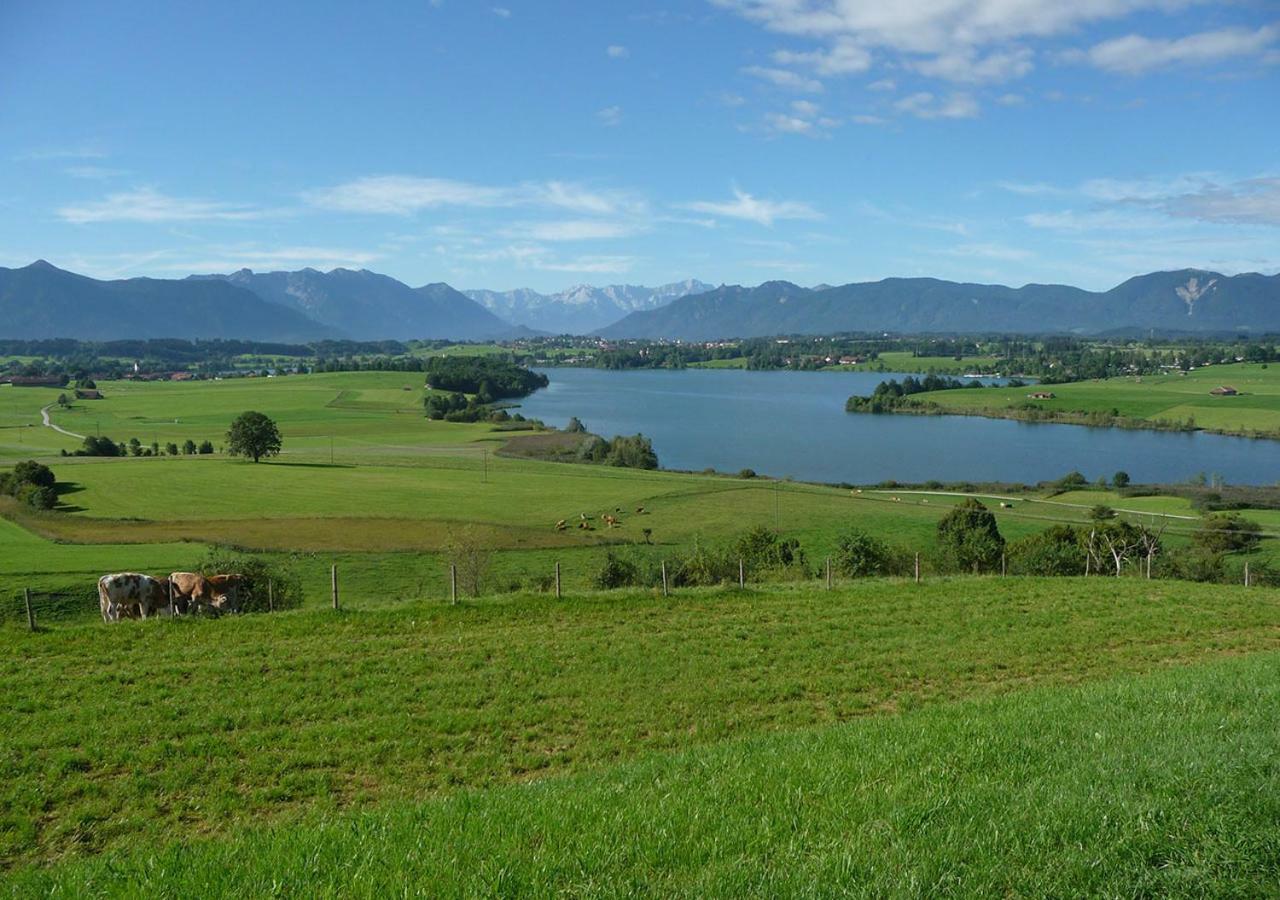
(1151, 398)
(964, 735)
(128, 736)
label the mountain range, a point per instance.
(43, 301)
(1187, 300)
(582, 309)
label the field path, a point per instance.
(44, 415)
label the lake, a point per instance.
(794, 424)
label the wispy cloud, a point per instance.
(752, 209)
(149, 205)
(610, 116)
(842, 58)
(76, 151)
(405, 195)
(967, 66)
(617, 51)
(785, 78)
(924, 105)
(1136, 54)
(802, 117)
(572, 230)
(501, 12)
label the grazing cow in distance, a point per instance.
(191, 590)
(120, 594)
(226, 591)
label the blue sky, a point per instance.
(549, 143)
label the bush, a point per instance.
(259, 572)
(860, 555)
(31, 472)
(100, 446)
(1055, 551)
(616, 572)
(206, 447)
(1193, 564)
(38, 496)
(970, 538)
(747, 473)
(762, 550)
(189, 447)
(1226, 533)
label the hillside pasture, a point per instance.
(1055, 792)
(149, 732)
(1152, 398)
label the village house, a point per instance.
(88, 394)
(1224, 390)
(1041, 395)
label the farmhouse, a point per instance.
(88, 394)
(1041, 395)
(1224, 390)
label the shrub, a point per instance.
(1054, 551)
(38, 496)
(285, 584)
(1226, 533)
(31, 472)
(467, 551)
(970, 538)
(761, 550)
(206, 447)
(747, 473)
(100, 446)
(188, 447)
(616, 572)
(860, 555)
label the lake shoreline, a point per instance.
(1068, 417)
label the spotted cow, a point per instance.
(127, 594)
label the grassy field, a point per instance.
(150, 732)
(1168, 398)
(1159, 785)
(368, 483)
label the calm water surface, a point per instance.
(794, 424)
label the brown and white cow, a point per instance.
(215, 593)
(226, 591)
(121, 594)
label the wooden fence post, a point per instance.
(31, 615)
(557, 580)
(664, 578)
(828, 573)
(1002, 565)
(742, 574)
(333, 578)
(271, 596)
(917, 568)
(453, 584)
(1246, 579)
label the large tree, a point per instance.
(254, 435)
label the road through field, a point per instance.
(44, 416)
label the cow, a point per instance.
(121, 594)
(226, 591)
(191, 590)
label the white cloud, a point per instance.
(1252, 202)
(502, 12)
(149, 205)
(229, 259)
(869, 120)
(610, 116)
(785, 78)
(617, 51)
(970, 41)
(408, 194)
(1011, 99)
(751, 209)
(804, 117)
(1135, 54)
(966, 66)
(842, 58)
(884, 84)
(572, 230)
(405, 194)
(924, 105)
(612, 265)
(1028, 188)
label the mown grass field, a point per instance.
(152, 733)
(1172, 398)
(1161, 785)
